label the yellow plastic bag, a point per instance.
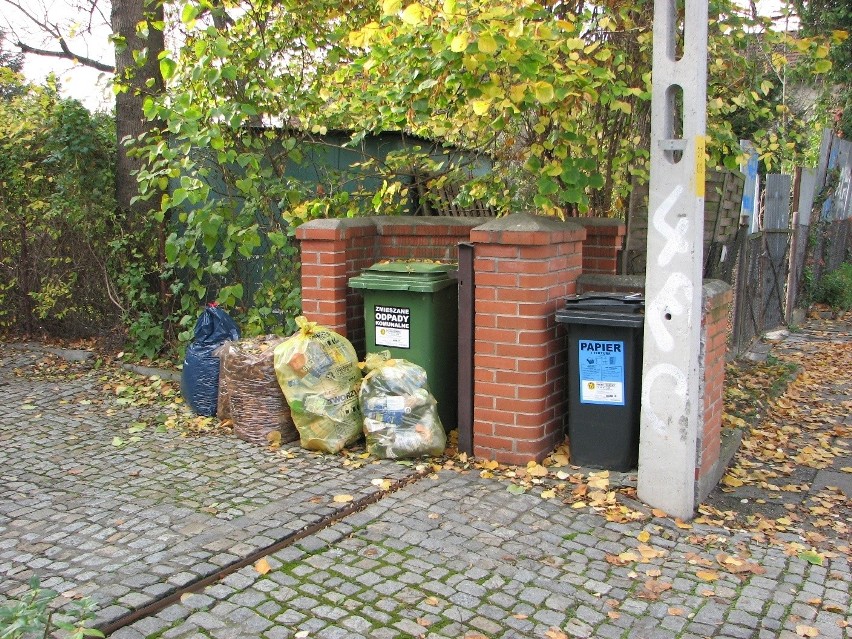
(318, 371)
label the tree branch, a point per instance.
(66, 54)
(54, 31)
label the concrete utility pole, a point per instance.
(672, 411)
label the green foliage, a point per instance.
(10, 68)
(835, 288)
(32, 615)
(541, 90)
(227, 150)
(835, 17)
(548, 102)
(56, 212)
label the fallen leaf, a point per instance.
(262, 566)
(644, 536)
(384, 484)
(555, 633)
(812, 557)
(806, 631)
(676, 612)
(599, 480)
(693, 558)
(423, 622)
(737, 565)
(612, 614)
(515, 489)
(520, 616)
(649, 552)
(707, 575)
(536, 470)
(733, 482)
(653, 589)
(342, 499)
(548, 494)
(560, 459)
(302, 634)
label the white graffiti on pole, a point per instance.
(667, 302)
(679, 390)
(675, 235)
(666, 305)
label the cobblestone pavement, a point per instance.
(458, 556)
(128, 525)
(448, 555)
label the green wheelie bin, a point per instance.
(411, 310)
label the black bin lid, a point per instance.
(604, 309)
(606, 302)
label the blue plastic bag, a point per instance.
(199, 383)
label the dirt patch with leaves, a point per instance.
(794, 412)
(155, 403)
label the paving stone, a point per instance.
(137, 522)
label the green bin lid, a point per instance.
(419, 277)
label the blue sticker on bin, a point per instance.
(601, 372)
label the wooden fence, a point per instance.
(805, 231)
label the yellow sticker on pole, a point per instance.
(700, 175)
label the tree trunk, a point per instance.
(137, 79)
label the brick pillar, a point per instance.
(714, 339)
(332, 252)
(604, 241)
(524, 267)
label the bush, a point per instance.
(835, 288)
(57, 214)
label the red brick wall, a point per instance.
(604, 241)
(714, 333)
(335, 250)
(524, 266)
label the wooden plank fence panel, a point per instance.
(777, 237)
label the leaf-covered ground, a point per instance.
(792, 409)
